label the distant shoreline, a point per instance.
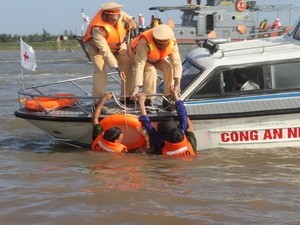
(49, 45)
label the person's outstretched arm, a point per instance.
(100, 103)
(142, 99)
(180, 108)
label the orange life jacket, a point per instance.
(115, 35)
(100, 144)
(182, 148)
(275, 25)
(154, 54)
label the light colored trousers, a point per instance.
(150, 77)
(100, 76)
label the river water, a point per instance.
(46, 183)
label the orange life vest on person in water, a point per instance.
(115, 35)
(154, 54)
(182, 148)
(100, 144)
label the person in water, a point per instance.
(111, 139)
(170, 137)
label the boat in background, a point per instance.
(223, 117)
(224, 20)
(221, 21)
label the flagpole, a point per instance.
(23, 82)
(28, 59)
(22, 72)
(82, 25)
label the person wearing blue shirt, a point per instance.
(163, 128)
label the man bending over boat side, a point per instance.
(170, 138)
(154, 49)
(105, 43)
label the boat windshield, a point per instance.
(297, 33)
(189, 73)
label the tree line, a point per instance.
(44, 37)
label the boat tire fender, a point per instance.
(240, 5)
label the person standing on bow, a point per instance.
(105, 43)
(155, 49)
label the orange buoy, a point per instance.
(39, 104)
(240, 5)
(128, 123)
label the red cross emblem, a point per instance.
(26, 56)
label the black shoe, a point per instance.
(168, 104)
(149, 102)
(128, 101)
(150, 106)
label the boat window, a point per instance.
(297, 34)
(210, 87)
(236, 80)
(189, 19)
(279, 76)
(209, 23)
(286, 75)
(189, 73)
(222, 82)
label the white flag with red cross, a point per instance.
(85, 18)
(85, 22)
(28, 59)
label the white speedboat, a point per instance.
(223, 116)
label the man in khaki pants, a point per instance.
(155, 49)
(105, 42)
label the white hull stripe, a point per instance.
(177, 151)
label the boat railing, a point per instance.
(53, 89)
(76, 93)
(260, 48)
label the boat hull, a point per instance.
(271, 131)
(74, 133)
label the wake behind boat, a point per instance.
(223, 116)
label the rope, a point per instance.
(124, 87)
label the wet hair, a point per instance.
(112, 134)
(164, 127)
(176, 135)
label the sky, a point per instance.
(23, 17)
